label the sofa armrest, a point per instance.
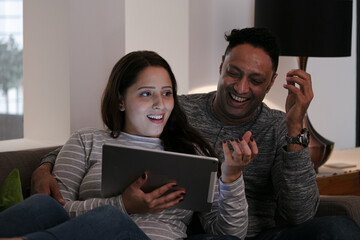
(26, 161)
(340, 206)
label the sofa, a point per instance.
(28, 160)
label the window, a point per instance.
(11, 69)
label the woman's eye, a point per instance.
(167, 93)
(145, 94)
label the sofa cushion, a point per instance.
(340, 206)
(24, 160)
(11, 192)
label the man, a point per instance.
(280, 182)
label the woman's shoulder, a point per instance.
(94, 132)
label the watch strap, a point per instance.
(302, 139)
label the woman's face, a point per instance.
(148, 103)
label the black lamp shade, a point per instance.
(311, 28)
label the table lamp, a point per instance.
(309, 28)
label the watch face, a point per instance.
(305, 137)
(302, 139)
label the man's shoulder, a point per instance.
(271, 115)
(195, 97)
(272, 111)
(197, 106)
(194, 101)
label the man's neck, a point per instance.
(225, 119)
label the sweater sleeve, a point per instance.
(294, 181)
(50, 157)
(70, 168)
(229, 212)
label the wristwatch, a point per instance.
(302, 139)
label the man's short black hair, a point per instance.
(257, 37)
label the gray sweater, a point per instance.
(280, 186)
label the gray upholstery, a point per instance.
(340, 206)
(27, 160)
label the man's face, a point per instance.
(245, 77)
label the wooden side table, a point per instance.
(340, 184)
(340, 181)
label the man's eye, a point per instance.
(256, 81)
(233, 74)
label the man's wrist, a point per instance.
(294, 129)
(46, 166)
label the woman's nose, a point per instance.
(158, 102)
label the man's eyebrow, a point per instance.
(235, 67)
(240, 70)
(256, 74)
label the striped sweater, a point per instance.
(78, 171)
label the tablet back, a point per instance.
(122, 165)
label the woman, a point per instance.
(140, 107)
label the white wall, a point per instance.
(209, 20)
(161, 26)
(97, 42)
(71, 46)
(46, 70)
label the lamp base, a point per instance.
(320, 148)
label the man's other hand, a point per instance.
(43, 182)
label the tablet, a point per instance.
(122, 165)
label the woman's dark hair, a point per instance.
(178, 135)
(257, 37)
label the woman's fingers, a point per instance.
(137, 201)
(243, 152)
(164, 197)
(254, 148)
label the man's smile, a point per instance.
(237, 99)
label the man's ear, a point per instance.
(221, 64)
(271, 83)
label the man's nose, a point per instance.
(242, 85)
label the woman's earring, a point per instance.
(121, 107)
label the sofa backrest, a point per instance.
(26, 161)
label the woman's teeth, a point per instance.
(238, 99)
(156, 117)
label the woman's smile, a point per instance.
(156, 118)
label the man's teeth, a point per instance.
(238, 99)
(157, 117)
